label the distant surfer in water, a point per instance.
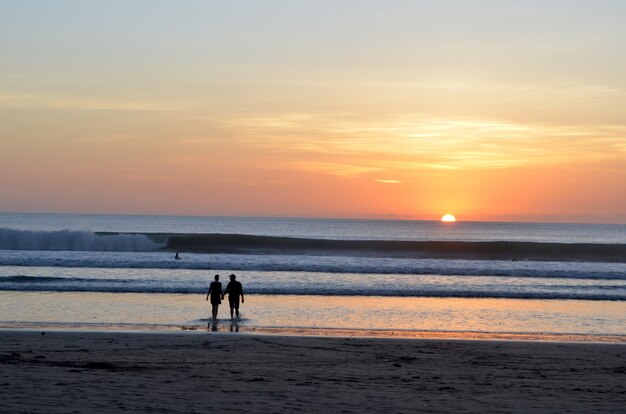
(235, 291)
(177, 257)
(215, 291)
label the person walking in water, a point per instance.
(215, 291)
(235, 291)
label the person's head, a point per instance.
(217, 277)
(233, 277)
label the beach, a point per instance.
(96, 316)
(60, 371)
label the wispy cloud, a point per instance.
(332, 168)
(424, 141)
(38, 101)
(109, 139)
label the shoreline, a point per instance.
(380, 317)
(103, 372)
(234, 329)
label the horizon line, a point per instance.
(459, 218)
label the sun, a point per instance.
(448, 218)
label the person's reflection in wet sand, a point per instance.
(212, 328)
(234, 327)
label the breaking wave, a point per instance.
(615, 291)
(270, 245)
(74, 240)
(315, 264)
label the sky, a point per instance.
(495, 110)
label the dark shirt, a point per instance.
(215, 289)
(234, 290)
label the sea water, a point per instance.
(77, 270)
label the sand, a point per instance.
(220, 372)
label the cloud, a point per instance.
(429, 142)
(109, 139)
(332, 168)
(38, 101)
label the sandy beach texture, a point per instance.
(201, 372)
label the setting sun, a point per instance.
(448, 218)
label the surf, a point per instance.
(73, 240)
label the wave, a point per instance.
(66, 240)
(70, 240)
(77, 284)
(314, 264)
(496, 250)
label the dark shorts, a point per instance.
(234, 302)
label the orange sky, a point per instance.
(316, 110)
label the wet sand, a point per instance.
(221, 372)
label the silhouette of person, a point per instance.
(235, 291)
(215, 291)
(176, 257)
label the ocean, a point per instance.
(120, 272)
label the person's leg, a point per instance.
(231, 309)
(215, 311)
(237, 309)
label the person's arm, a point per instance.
(208, 293)
(242, 294)
(226, 291)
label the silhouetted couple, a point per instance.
(234, 291)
